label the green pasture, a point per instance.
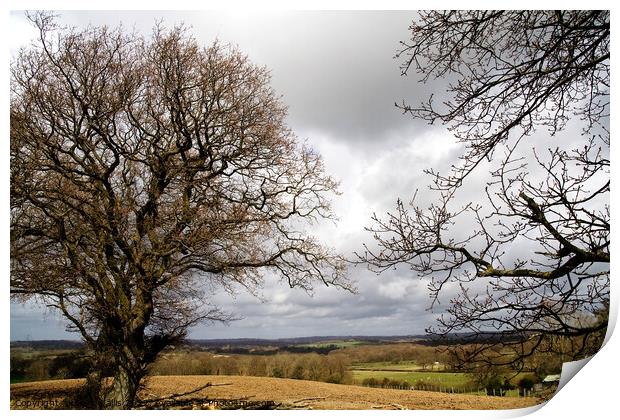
(457, 380)
(447, 379)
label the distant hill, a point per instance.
(328, 341)
(277, 342)
(234, 342)
(48, 344)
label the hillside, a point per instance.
(289, 393)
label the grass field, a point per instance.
(448, 379)
(461, 382)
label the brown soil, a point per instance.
(287, 393)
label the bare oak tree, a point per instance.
(533, 264)
(144, 174)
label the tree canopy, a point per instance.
(529, 256)
(145, 173)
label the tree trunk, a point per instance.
(122, 395)
(94, 391)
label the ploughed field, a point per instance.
(262, 392)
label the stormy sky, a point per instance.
(337, 73)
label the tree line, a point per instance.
(333, 368)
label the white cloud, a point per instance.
(22, 32)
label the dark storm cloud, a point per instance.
(336, 70)
(338, 73)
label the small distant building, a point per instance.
(551, 380)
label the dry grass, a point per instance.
(289, 392)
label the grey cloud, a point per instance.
(389, 304)
(335, 70)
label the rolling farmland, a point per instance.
(285, 393)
